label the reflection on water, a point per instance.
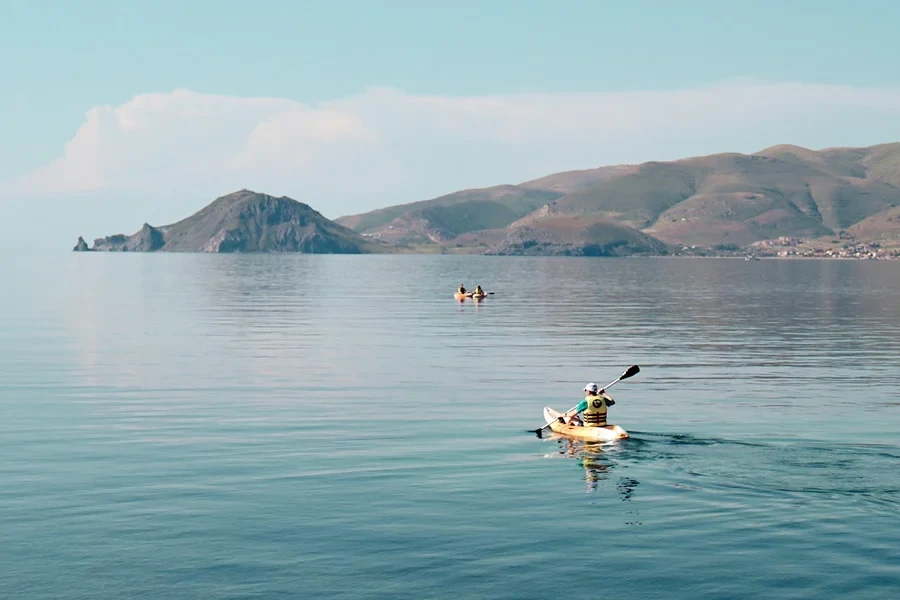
(591, 458)
(599, 460)
(181, 426)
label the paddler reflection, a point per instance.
(591, 457)
(596, 458)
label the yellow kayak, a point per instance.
(579, 432)
(479, 296)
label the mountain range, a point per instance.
(722, 200)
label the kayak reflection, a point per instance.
(598, 464)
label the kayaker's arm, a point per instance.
(582, 406)
(609, 401)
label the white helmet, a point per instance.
(591, 387)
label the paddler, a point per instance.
(591, 412)
(479, 291)
(461, 290)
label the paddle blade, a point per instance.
(631, 372)
(538, 431)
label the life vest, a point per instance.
(595, 413)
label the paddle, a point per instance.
(629, 372)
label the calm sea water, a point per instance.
(192, 426)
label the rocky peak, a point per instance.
(244, 221)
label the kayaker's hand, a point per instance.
(610, 402)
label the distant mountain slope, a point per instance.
(575, 181)
(877, 163)
(635, 197)
(244, 221)
(883, 228)
(576, 236)
(446, 217)
(882, 163)
(722, 198)
(797, 188)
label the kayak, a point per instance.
(579, 432)
(459, 296)
(479, 296)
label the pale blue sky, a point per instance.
(62, 58)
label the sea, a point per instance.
(293, 426)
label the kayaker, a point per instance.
(461, 290)
(479, 291)
(591, 412)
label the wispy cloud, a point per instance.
(386, 146)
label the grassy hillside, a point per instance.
(883, 228)
(576, 236)
(575, 181)
(718, 199)
(883, 163)
(457, 213)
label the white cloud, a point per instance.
(385, 146)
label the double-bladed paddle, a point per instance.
(629, 372)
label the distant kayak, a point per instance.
(482, 296)
(590, 434)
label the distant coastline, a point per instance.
(781, 202)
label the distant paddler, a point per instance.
(461, 293)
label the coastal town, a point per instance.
(842, 248)
(793, 247)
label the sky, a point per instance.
(119, 113)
